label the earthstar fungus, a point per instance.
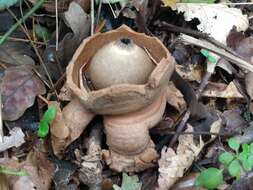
(130, 106)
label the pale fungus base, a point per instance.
(129, 110)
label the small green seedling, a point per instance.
(128, 183)
(234, 162)
(46, 120)
(7, 171)
(210, 178)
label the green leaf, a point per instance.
(234, 169)
(13, 172)
(246, 148)
(210, 178)
(243, 156)
(42, 32)
(248, 163)
(43, 129)
(4, 4)
(234, 144)
(251, 148)
(49, 115)
(226, 158)
(129, 183)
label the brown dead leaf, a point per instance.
(191, 73)
(77, 20)
(248, 84)
(175, 98)
(172, 165)
(40, 172)
(221, 90)
(19, 87)
(245, 49)
(16, 53)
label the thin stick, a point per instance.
(1, 121)
(180, 128)
(92, 17)
(99, 12)
(43, 99)
(171, 27)
(57, 26)
(208, 46)
(243, 3)
(201, 133)
(22, 40)
(19, 22)
(35, 49)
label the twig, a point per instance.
(99, 12)
(43, 99)
(171, 27)
(92, 17)
(208, 46)
(35, 49)
(22, 40)
(243, 3)
(1, 120)
(201, 133)
(57, 26)
(18, 23)
(180, 128)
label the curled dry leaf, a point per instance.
(15, 139)
(19, 88)
(172, 165)
(221, 90)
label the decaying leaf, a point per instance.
(220, 90)
(190, 73)
(244, 47)
(77, 20)
(172, 165)
(40, 172)
(15, 139)
(217, 20)
(16, 53)
(19, 87)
